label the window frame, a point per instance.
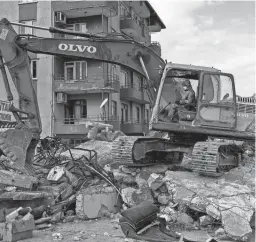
(125, 79)
(31, 30)
(114, 108)
(69, 64)
(125, 112)
(113, 72)
(32, 69)
(146, 116)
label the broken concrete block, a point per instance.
(236, 226)
(14, 179)
(158, 169)
(182, 194)
(71, 178)
(4, 212)
(141, 182)
(127, 195)
(69, 218)
(56, 218)
(117, 134)
(56, 173)
(166, 217)
(92, 133)
(24, 196)
(123, 177)
(155, 181)
(141, 195)
(198, 204)
(19, 230)
(70, 213)
(196, 235)
(172, 214)
(109, 135)
(127, 170)
(205, 220)
(213, 211)
(163, 189)
(101, 136)
(183, 218)
(164, 198)
(90, 201)
(221, 234)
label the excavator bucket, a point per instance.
(14, 144)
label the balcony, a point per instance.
(74, 126)
(140, 8)
(134, 127)
(76, 9)
(130, 93)
(69, 126)
(133, 27)
(88, 84)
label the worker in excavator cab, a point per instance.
(188, 102)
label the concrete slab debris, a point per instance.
(14, 179)
(91, 201)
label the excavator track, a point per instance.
(140, 151)
(122, 149)
(209, 158)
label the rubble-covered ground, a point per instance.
(221, 207)
(92, 231)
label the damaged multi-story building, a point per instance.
(70, 91)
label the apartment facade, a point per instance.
(70, 91)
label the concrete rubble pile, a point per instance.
(59, 189)
(224, 207)
(85, 186)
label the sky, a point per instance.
(218, 34)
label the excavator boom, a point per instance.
(19, 144)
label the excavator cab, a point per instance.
(214, 104)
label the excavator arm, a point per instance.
(19, 144)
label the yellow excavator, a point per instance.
(215, 113)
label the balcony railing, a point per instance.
(87, 78)
(134, 87)
(136, 19)
(83, 83)
(83, 120)
(134, 121)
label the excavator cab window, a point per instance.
(171, 108)
(217, 104)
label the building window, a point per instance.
(76, 109)
(138, 114)
(146, 116)
(124, 113)
(114, 108)
(59, 16)
(33, 68)
(27, 30)
(123, 79)
(77, 27)
(113, 72)
(75, 71)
